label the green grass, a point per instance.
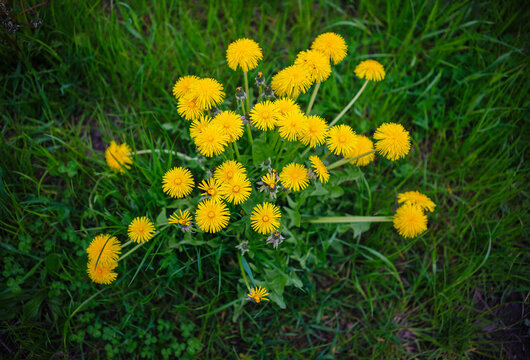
(94, 72)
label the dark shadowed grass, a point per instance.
(94, 72)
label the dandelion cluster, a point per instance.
(410, 219)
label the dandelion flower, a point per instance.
(316, 131)
(410, 221)
(211, 188)
(393, 141)
(265, 218)
(198, 125)
(211, 215)
(230, 124)
(341, 139)
(418, 199)
(292, 126)
(183, 218)
(188, 108)
(237, 190)
(315, 63)
(370, 70)
(363, 146)
(294, 177)
(118, 156)
(183, 85)
(101, 273)
(212, 140)
(286, 105)
(320, 169)
(177, 182)
(227, 170)
(270, 179)
(141, 229)
(207, 92)
(104, 249)
(332, 45)
(257, 294)
(291, 81)
(243, 53)
(264, 115)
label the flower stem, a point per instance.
(305, 151)
(346, 160)
(290, 154)
(126, 244)
(175, 153)
(348, 219)
(250, 140)
(349, 105)
(246, 90)
(279, 152)
(237, 151)
(242, 270)
(313, 96)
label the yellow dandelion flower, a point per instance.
(286, 105)
(207, 92)
(237, 190)
(177, 182)
(315, 63)
(292, 126)
(227, 170)
(257, 294)
(370, 70)
(410, 221)
(212, 215)
(230, 123)
(265, 218)
(118, 156)
(211, 141)
(332, 45)
(211, 188)
(101, 273)
(264, 115)
(393, 141)
(198, 125)
(291, 81)
(104, 249)
(188, 108)
(316, 131)
(418, 199)
(270, 179)
(341, 139)
(183, 85)
(183, 218)
(141, 229)
(363, 146)
(294, 177)
(320, 169)
(243, 53)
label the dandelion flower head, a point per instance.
(188, 108)
(418, 199)
(198, 125)
(286, 105)
(211, 188)
(207, 92)
(270, 179)
(118, 156)
(102, 273)
(243, 53)
(341, 139)
(230, 124)
(211, 215)
(410, 221)
(141, 229)
(183, 218)
(265, 218)
(363, 146)
(294, 177)
(257, 294)
(264, 115)
(237, 190)
(370, 70)
(315, 63)
(228, 169)
(177, 182)
(316, 131)
(332, 45)
(212, 140)
(292, 126)
(393, 141)
(320, 169)
(104, 249)
(291, 81)
(183, 85)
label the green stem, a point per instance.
(346, 160)
(279, 152)
(325, 155)
(140, 244)
(349, 105)
(312, 100)
(242, 270)
(246, 90)
(250, 140)
(348, 219)
(305, 151)
(175, 153)
(237, 151)
(291, 153)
